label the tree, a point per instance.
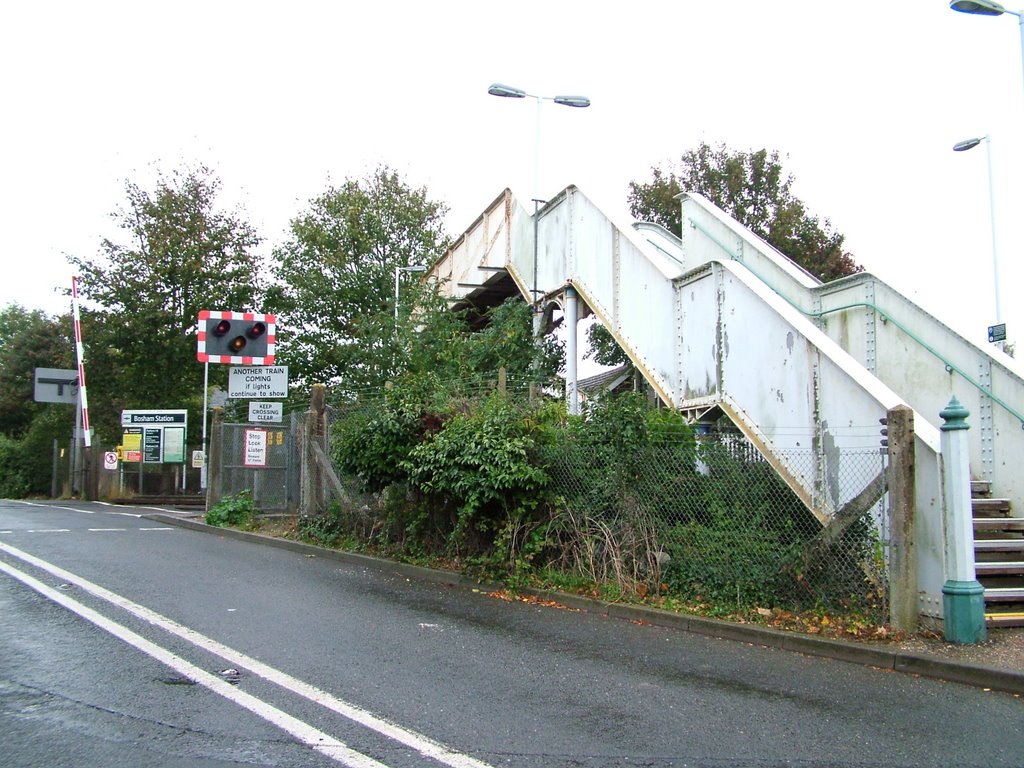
(182, 254)
(28, 340)
(604, 349)
(337, 273)
(754, 189)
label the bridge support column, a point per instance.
(963, 598)
(572, 395)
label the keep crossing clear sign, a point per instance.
(264, 382)
(266, 412)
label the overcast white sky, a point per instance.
(863, 100)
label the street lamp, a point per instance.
(399, 271)
(508, 92)
(963, 146)
(989, 8)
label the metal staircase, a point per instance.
(999, 556)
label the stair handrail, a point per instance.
(950, 366)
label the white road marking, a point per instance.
(54, 506)
(91, 530)
(422, 744)
(305, 733)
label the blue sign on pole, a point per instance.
(997, 332)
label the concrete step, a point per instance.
(1009, 619)
(999, 545)
(1008, 568)
(980, 488)
(170, 500)
(990, 507)
(1005, 595)
(998, 523)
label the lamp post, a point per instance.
(989, 8)
(398, 272)
(963, 146)
(508, 92)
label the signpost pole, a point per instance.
(56, 463)
(206, 387)
(76, 453)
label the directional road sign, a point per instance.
(56, 385)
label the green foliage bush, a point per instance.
(237, 511)
(14, 483)
(483, 465)
(373, 442)
(26, 462)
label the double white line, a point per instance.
(306, 734)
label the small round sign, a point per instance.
(110, 460)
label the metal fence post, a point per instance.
(214, 460)
(903, 608)
(313, 429)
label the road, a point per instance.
(127, 642)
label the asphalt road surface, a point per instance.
(125, 642)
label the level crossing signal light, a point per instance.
(236, 338)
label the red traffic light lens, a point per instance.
(221, 328)
(237, 344)
(256, 330)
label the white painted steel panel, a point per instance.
(697, 339)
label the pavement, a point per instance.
(997, 665)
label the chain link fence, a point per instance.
(713, 521)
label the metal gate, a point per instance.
(261, 458)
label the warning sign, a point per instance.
(265, 412)
(255, 448)
(266, 381)
(131, 443)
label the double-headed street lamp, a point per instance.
(508, 92)
(398, 272)
(989, 8)
(963, 146)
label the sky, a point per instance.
(863, 102)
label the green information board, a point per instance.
(174, 445)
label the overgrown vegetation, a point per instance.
(623, 502)
(237, 511)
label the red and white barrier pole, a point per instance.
(80, 352)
